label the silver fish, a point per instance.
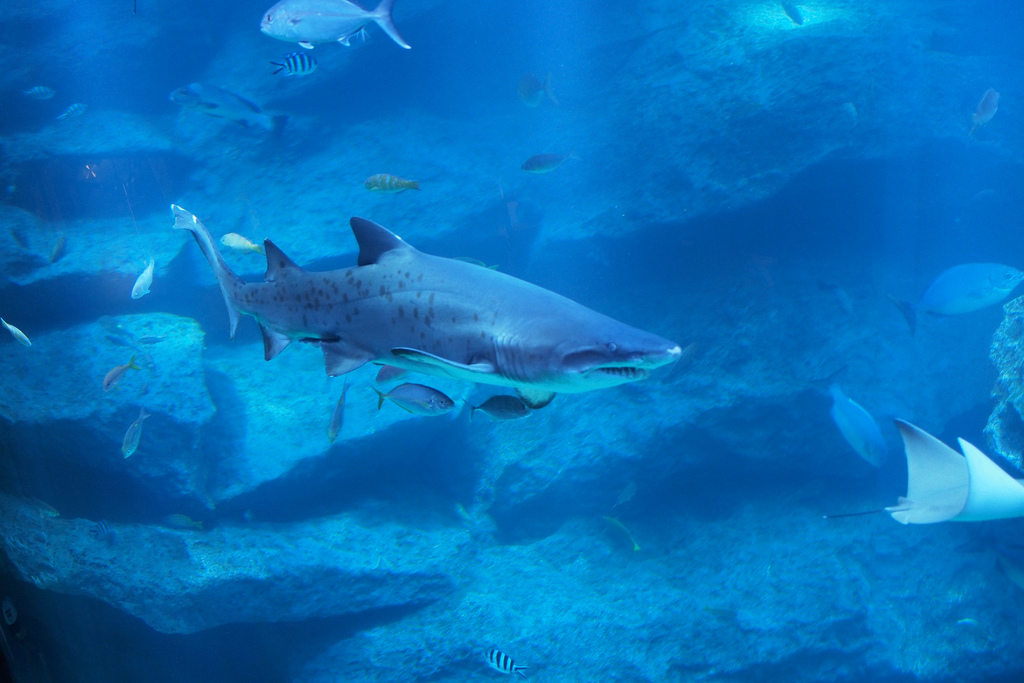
(417, 399)
(219, 103)
(503, 407)
(858, 427)
(479, 325)
(143, 282)
(132, 436)
(115, 374)
(545, 163)
(962, 289)
(16, 333)
(338, 417)
(308, 22)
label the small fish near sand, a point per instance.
(986, 109)
(16, 333)
(858, 427)
(309, 22)
(180, 521)
(59, 249)
(417, 399)
(390, 184)
(501, 662)
(75, 110)
(545, 163)
(220, 103)
(296, 64)
(143, 282)
(502, 408)
(338, 417)
(117, 373)
(237, 242)
(962, 289)
(131, 438)
(532, 92)
(39, 92)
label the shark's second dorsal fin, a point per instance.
(276, 261)
(374, 240)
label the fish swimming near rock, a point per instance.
(10, 613)
(131, 438)
(309, 22)
(296, 64)
(76, 109)
(39, 92)
(433, 315)
(962, 289)
(545, 163)
(614, 523)
(858, 427)
(986, 109)
(57, 253)
(502, 408)
(16, 333)
(499, 661)
(233, 240)
(219, 103)
(417, 399)
(384, 182)
(115, 375)
(793, 12)
(180, 521)
(532, 92)
(338, 416)
(143, 282)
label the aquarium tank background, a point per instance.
(680, 287)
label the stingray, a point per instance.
(944, 486)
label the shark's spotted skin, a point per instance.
(436, 316)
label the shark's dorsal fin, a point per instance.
(276, 261)
(374, 240)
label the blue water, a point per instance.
(752, 189)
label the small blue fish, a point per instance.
(76, 109)
(963, 289)
(132, 436)
(858, 427)
(500, 661)
(296, 64)
(40, 92)
(417, 399)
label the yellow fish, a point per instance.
(385, 182)
(233, 240)
(115, 375)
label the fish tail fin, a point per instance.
(548, 91)
(472, 409)
(973, 128)
(382, 15)
(380, 397)
(143, 414)
(280, 68)
(519, 670)
(277, 124)
(132, 364)
(228, 281)
(414, 184)
(572, 155)
(908, 310)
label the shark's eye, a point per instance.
(612, 347)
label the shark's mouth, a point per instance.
(624, 372)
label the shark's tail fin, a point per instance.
(382, 15)
(228, 281)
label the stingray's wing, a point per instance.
(938, 481)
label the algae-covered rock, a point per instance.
(1005, 427)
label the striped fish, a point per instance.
(385, 182)
(500, 661)
(296, 64)
(76, 109)
(40, 92)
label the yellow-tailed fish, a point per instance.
(385, 182)
(132, 436)
(338, 418)
(115, 375)
(16, 333)
(233, 240)
(616, 524)
(545, 163)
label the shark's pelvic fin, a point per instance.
(276, 261)
(183, 220)
(340, 358)
(449, 366)
(273, 342)
(374, 240)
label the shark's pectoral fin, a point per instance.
(273, 342)
(450, 367)
(340, 358)
(535, 398)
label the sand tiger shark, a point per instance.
(434, 315)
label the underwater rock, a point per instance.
(183, 581)
(1005, 427)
